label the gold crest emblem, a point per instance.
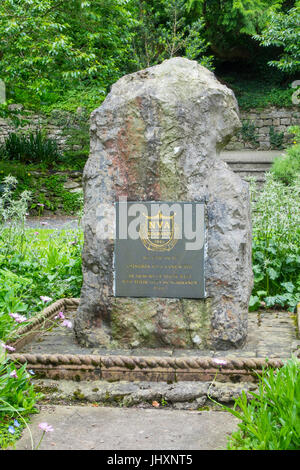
(158, 233)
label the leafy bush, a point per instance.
(271, 420)
(276, 244)
(286, 168)
(32, 148)
(282, 30)
(67, 43)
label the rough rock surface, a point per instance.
(157, 136)
(184, 395)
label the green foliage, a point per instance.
(14, 115)
(43, 263)
(49, 45)
(276, 138)
(252, 92)
(46, 189)
(12, 210)
(286, 168)
(283, 30)
(271, 420)
(262, 97)
(75, 50)
(72, 202)
(77, 130)
(32, 148)
(33, 263)
(248, 133)
(229, 25)
(276, 244)
(13, 291)
(17, 400)
(163, 31)
(18, 392)
(85, 95)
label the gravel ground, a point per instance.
(53, 222)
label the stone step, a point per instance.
(248, 170)
(260, 181)
(249, 156)
(258, 174)
(181, 395)
(251, 164)
(260, 166)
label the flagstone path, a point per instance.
(102, 428)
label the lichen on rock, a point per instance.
(157, 137)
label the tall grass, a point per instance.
(32, 148)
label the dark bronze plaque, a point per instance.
(159, 249)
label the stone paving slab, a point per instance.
(271, 334)
(103, 428)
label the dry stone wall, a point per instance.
(257, 129)
(35, 122)
(255, 134)
(58, 126)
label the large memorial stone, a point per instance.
(157, 137)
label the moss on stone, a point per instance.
(203, 408)
(78, 395)
(151, 322)
(118, 399)
(46, 390)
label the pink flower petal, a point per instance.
(46, 427)
(67, 323)
(45, 299)
(220, 362)
(18, 318)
